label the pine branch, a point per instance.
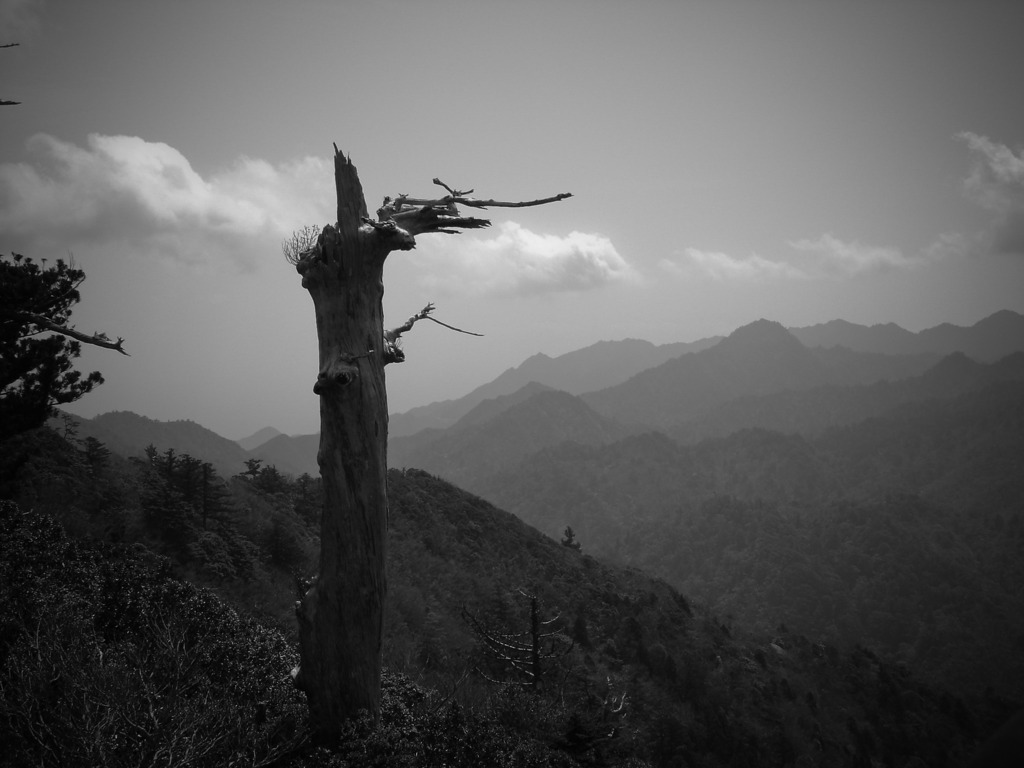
(97, 339)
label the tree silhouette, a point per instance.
(341, 617)
(38, 344)
(570, 539)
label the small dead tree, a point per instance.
(341, 616)
(521, 654)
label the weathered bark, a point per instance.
(341, 616)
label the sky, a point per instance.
(729, 161)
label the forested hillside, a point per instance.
(636, 674)
(902, 532)
(498, 433)
(810, 412)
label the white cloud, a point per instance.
(123, 189)
(722, 266)
(830, 256)
(999, 164)
(996, 183)
(822, 258)
(518, 261)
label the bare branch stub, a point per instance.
(393, 351)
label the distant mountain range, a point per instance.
(611, 363)
(987, 340)
(600, 365)
(257, 439)
(127, 434)
(803, 379)
(757, 359)
(759, 376)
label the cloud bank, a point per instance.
(126, 193)
(824, 257)
(518, 261)
(996, 183)
(123, 189)
(721, 266)
(828, 256)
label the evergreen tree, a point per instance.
(213, 498)
(96, 454)
(38, 345)
(570, 539)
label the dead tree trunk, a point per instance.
(341, 617)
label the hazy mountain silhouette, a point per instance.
(987, 340)
(761, 375)
(292, 455)
(257, 439)
(966, 447)
(887, 338)
(607, 364)
(491, 407)
(759, 358)
(468, 454)
(810, 412)
(128, 434)
(600, 365)
(485, 445)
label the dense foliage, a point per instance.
(109, 660)
(247, 538)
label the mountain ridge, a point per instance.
(258, 438)
(544, 418)
(600, 365)
(756, 359)
(297, 455)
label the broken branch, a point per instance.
(452, 327)
(473, 203)
(392, 352)
(425, 215)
